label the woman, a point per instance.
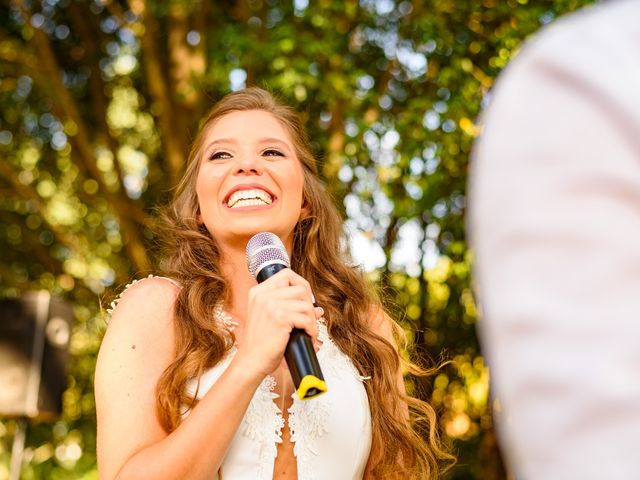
(191, 381)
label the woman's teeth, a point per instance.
(246, 198)
(248, 203)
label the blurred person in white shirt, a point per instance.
(555, 225)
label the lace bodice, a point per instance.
(331, 432)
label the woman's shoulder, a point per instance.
(144, 304)
(140, 331)
(143, 288)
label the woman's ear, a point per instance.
(305, 210)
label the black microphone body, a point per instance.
(299, 354)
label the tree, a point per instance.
(100, 100)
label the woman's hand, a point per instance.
(275, 307)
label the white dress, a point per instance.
(331, 432)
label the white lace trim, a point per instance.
(263, 422)
(308, 422)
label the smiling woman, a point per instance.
(206, 392)
(249, 178)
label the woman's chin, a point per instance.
(241, 232)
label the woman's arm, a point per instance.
(137, 348)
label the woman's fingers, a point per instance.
(284, 278)
(277, 306)
(272, 302)
(294, 314)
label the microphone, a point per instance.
(266, 256)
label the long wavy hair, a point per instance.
(401, 447)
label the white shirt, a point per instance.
(555, 223)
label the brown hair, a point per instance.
(349, 305)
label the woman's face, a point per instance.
(250, 179)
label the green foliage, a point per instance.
(100, 100)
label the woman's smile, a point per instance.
(243, 196)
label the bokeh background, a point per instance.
(100, 100)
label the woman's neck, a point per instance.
(236, 272)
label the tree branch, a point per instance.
(89, 41)
(65, 107)
(161, 94)
(27, 193)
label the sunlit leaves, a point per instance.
(390, 90)
(464, 397)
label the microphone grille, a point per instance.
(264, 249)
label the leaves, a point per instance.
(100, 101)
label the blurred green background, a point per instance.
(101, 98)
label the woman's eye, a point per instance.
(273, 153)
(219, 155)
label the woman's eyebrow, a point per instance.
(222, 141)
(234, 141)
(275, 140)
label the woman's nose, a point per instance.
(249, 165)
